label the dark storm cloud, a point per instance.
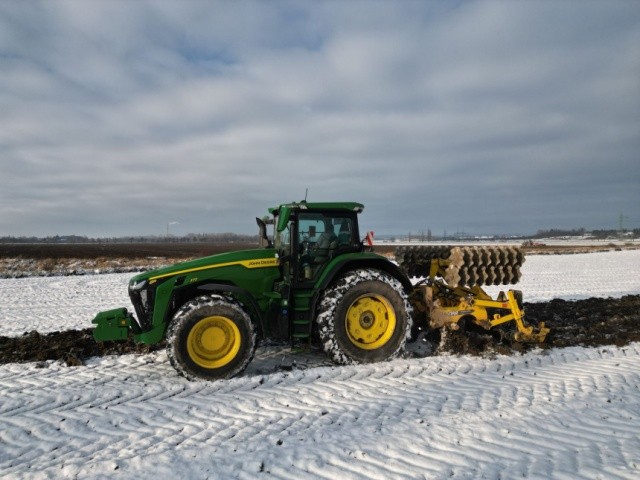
(120, 117)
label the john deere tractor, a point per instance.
(315, 281)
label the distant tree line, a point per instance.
(189, 238)
(228, 237)
(578, 232)
(635, 233)
(557, 232)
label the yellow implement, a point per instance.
(452, 289)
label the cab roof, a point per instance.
(345, 206)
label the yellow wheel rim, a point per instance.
(213, 342)
(370, 321)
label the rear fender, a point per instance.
(345, 263)
(355, 261)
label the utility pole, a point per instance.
(621, 219)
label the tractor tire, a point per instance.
(364, 317)
(211, 337)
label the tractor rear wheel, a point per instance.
(364, 317)
(211, 337)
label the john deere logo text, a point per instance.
(262, 262)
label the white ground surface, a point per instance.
(570, 413)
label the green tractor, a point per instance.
(314, 282)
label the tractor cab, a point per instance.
(310, 241)
(309, 235)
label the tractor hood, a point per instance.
(258, 258)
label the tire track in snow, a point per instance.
(441, 414)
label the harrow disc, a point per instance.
(471, 266)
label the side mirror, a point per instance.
(262, 233)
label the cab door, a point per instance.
(320, 237)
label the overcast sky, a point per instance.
(118, 118)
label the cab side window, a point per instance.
(320, 237)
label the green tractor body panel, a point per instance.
(239, 266)
(156, 294)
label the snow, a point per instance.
(563, 413)
(579, 276)
(572, 413)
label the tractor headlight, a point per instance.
(136, 287)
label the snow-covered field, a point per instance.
(569, 413)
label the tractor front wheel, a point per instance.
(211, 337)
(364, 317)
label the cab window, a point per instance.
(320, 237)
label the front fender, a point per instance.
(245, 297)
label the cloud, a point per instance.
(119, 117)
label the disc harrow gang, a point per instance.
(468, 266)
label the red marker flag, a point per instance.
(369, 239)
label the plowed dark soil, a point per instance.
(591, 322)
(71, 347)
